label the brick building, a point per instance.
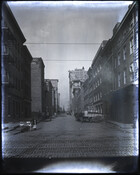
(26, 82)
(54, 83)
(37, 87)
(15, 64)
(121, 93)
(112, 86)
(93, 96)
(49, 98)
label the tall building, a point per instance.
(121, 93)
(76, 79)
(112, 86)
(37, 86)
(15, 65)
(49, 98)
(26, 83)
(54, 83)
(93, 88)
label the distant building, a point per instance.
(37, 86)
(15, 70)
(49, 98)
(54, 83)
(76, 79)
(58, 103)
(78, 101)
(96, 74)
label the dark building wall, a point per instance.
(120, 104)
(26, 82)
(112, 86)
(49, 106)
(13, 64)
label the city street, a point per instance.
(66, 145)
(64, 137)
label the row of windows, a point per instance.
(120, 78)
(14, 82)
(14, 107)
(99, 108)
(12, 59)
(133, 72)
(118, 59)
(97, 70)
(97, 83)
(127, 29)
(97, 97)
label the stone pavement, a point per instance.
(63, 137)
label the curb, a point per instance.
(121, 126)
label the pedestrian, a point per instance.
(35, 124)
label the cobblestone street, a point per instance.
(64, 137)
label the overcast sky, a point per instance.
(52, 30)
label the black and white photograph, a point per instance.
(69, 86)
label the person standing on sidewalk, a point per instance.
(34, 124)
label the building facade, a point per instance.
(121, 94)
(54, 83)
(49, 98)
(26, 82)
(14, 58)
(76, 79)
(112, 84)
(37, 87)
(93, 88)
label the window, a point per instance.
(124, 76)
(119, 58)
(101, 109)
(100, 94)
(9, 106)
(14, 108)
(132, 77)
(131, 25)
(115, 62)
(137, 40)
(119, 80)
(131, 45)
(124, 53)
(131, 68)
(5, 49)
(136, 15)
(124, 33)
(136, 75)
(136, 64)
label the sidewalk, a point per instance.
(123, 127)
(10, 125)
